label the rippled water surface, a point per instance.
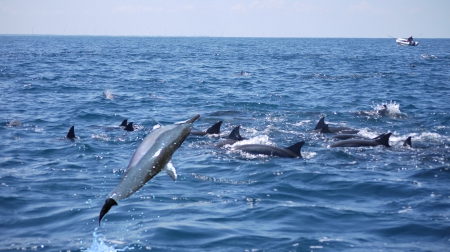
(331, 199)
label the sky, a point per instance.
(229, 18)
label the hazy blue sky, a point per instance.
(229, 18)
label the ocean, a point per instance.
(276, 89)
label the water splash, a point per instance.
(108, 94)
(98, 244)
(391, 109)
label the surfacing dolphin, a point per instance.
(124, 123)
(232, 138)
(151, 156)
(215, 129)
(407, 142)
(129, 127)
(293, 151)
(383, 140)
(322, 127)
(71, 133)
(354, 136)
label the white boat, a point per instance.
(405, 42)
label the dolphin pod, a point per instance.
(151, 157)
(214, 129)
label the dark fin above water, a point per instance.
(384, 140)
(108, 204)
(129, 127)
(325, 129)
(407, 142)
(378, 137)
(71, 133)
(235, 135)
(124, 123)
(296, 148)
(215, 129)
(320, 124)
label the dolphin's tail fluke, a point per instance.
(129, 127)
(124, 123)
(215, 129)
(235, 135)
(407, 142)
(71, 133)
(384, 140)
(296, 148)
(320, 124)
(108, 204)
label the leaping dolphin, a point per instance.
(293, 151)
(383, 140)
(325, 128)
(232, 138)
(215, 129)
(151, 156)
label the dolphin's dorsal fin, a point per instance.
(170, 169)
(407, 142)
(384, 140)
(296, 148)
(215, 129)
(71, 133)
(129, 127)
(378, 137)
(325, 129)
(235, 134)
(124, 123)
(320, 124)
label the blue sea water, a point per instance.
(332, 199)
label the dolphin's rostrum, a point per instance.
(151, 156)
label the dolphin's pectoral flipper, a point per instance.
(108, 204)
(384, 140)
(296, 148)
(215, 129)
(235, 135)
(408, 142)
(170, 169)
(71, 133)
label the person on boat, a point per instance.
(410, 40)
